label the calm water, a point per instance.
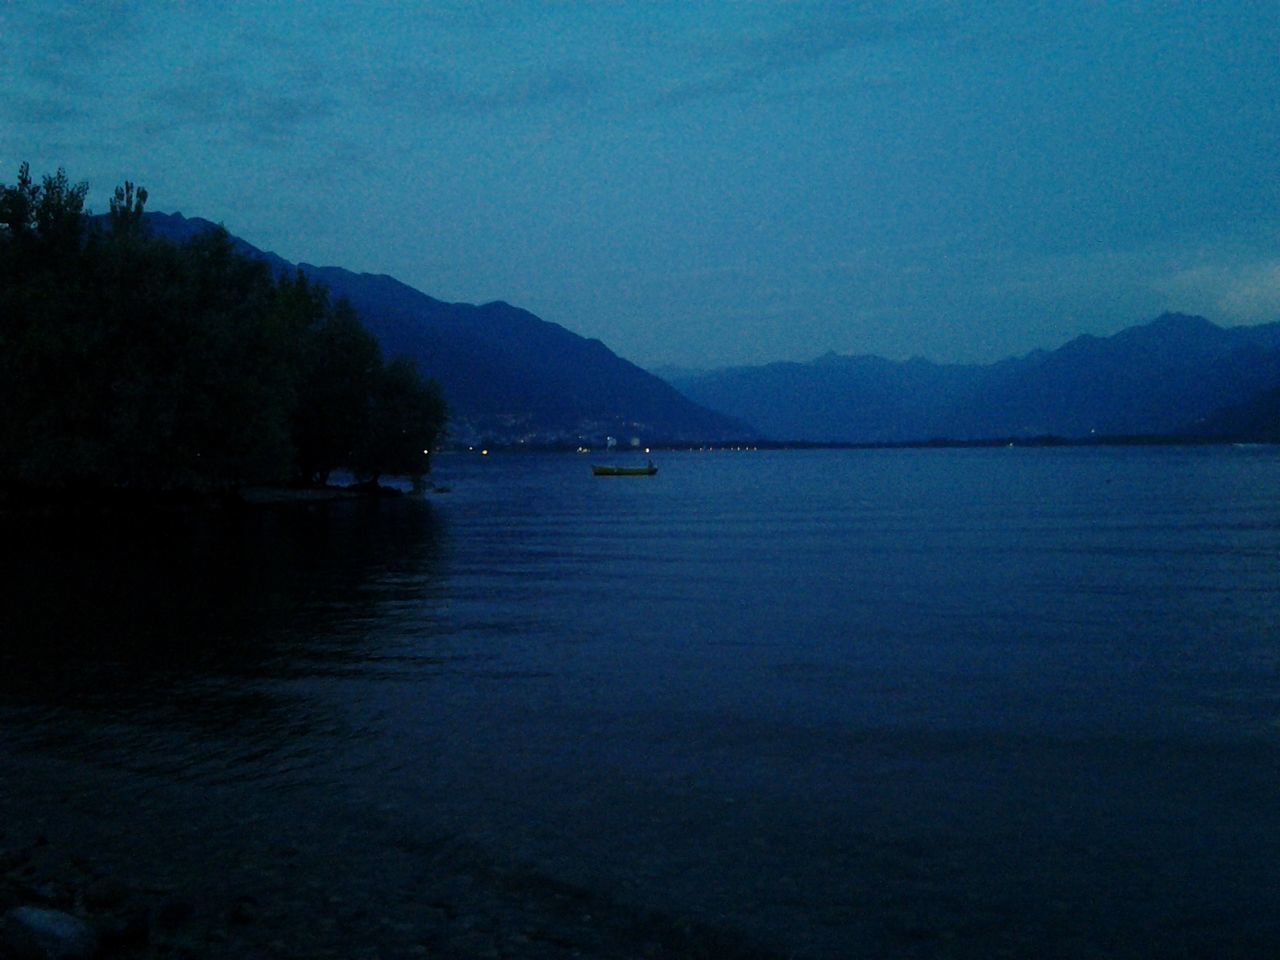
(881, 703)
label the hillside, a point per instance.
(1177, 374)
(508, 375)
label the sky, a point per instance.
(699, 184)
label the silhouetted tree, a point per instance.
(126, 209)
(340, 365)
(59, 217)
(46, 336)
(18, 205)
(406, 417)
(130, 362)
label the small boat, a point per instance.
(648, 470)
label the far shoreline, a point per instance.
(935, 443)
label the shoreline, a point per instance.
(291, 890)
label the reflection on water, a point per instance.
(881, 703)
(164, 639)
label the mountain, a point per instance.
(508, 375)
(1177, 374)
(1257, 419)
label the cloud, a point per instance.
(819, 33)
(1228, 292)
(63, 44)
(554, 77)
(436, 91)
(1254, 293)
(231, 99)
(116, 69)
(41, 109)
(55, 56)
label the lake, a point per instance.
(917, 703)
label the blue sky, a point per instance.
(700, 183)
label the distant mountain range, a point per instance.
(508, 376)
(1176, 375)
(511, 377)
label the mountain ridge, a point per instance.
(508, 375)
(513, 377)
(1175, 374)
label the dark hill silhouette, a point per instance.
(1173, 375)
(1256, 419)
(508, 375)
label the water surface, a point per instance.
(881, 703)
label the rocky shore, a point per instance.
(56, 905)
(98, 865)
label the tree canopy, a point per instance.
(131, 362)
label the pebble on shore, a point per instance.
(39, 933)
(54, 907)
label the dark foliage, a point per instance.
(129, 362)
